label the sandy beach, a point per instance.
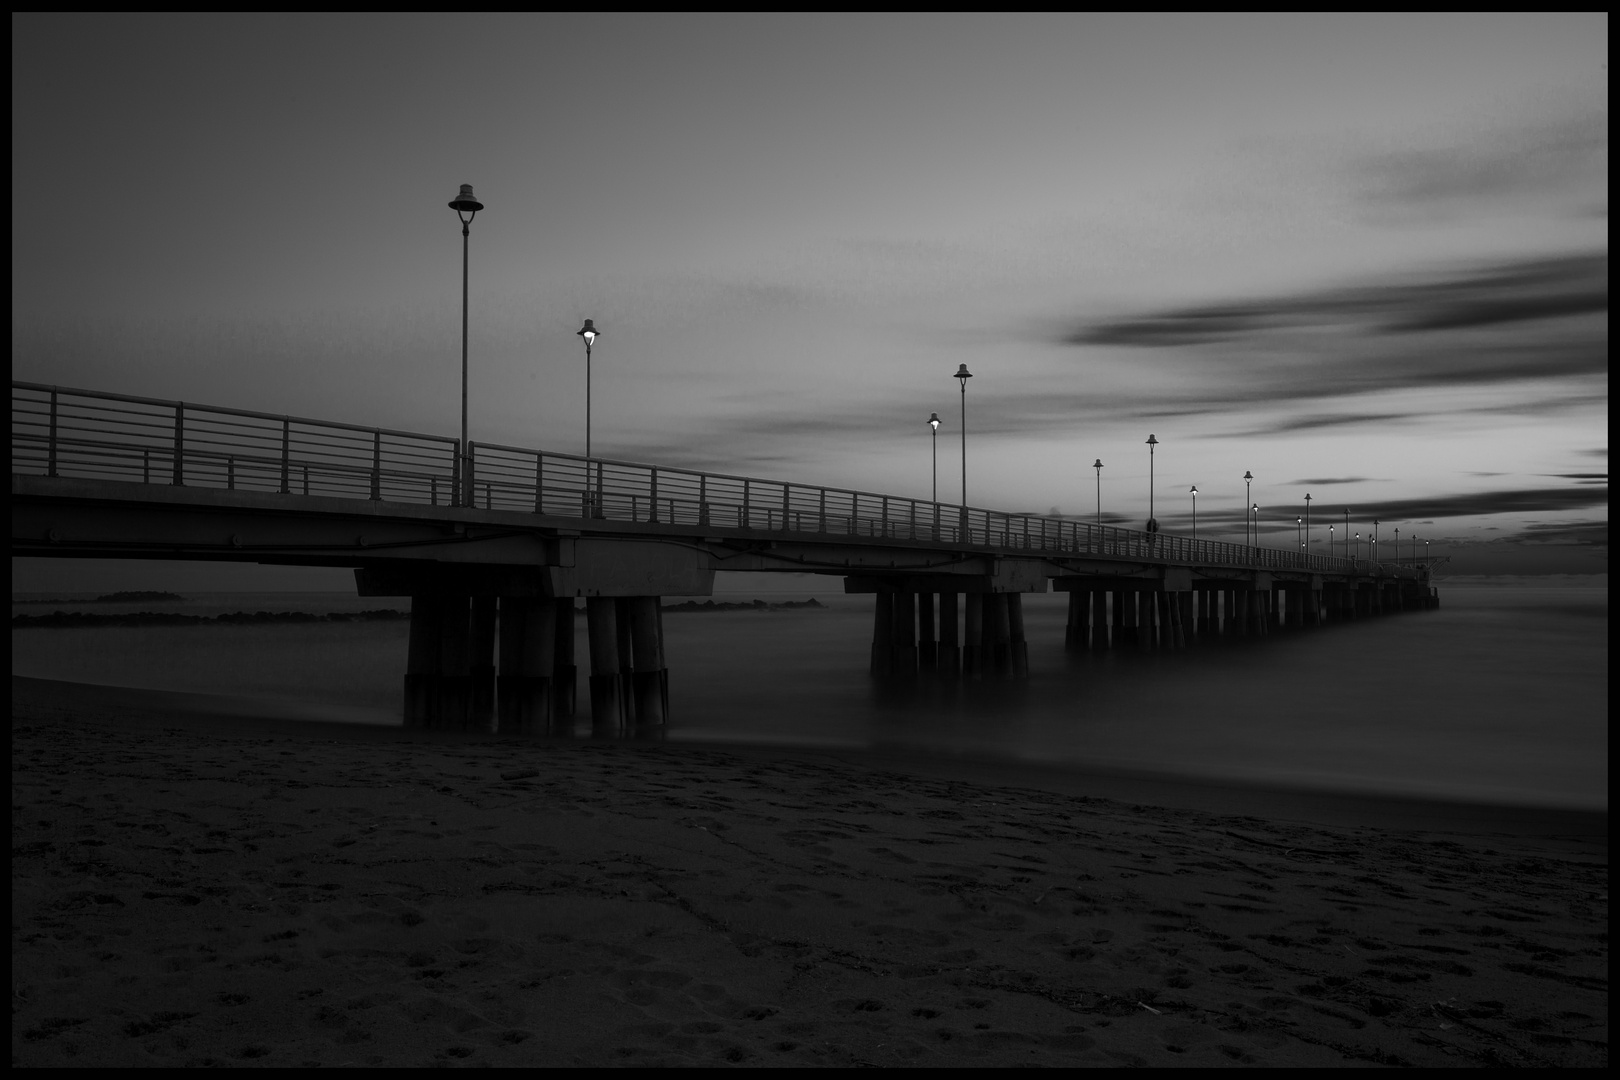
(192, 889)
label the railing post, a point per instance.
(306, 478)
(146, 466)
(286, 453)
(823, 510)
(179, 444)
(652, 501)
(51, 467)
(230, 472)
(785, 490)
(469, 492)
(885, 517)
(433, 491)
(854, 512)
(703, 498)
(746, 521)
(376, 464)
(539, 482)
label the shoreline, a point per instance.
(190, 890)
(223, 715)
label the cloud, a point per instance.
(1583, 533)
(1480, 504)
(1487, 167)
(1335, 480)
(1521, 291)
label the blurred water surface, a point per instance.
(1501, 695)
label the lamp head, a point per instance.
(588, 332)
(1152, 441)
(963, 373)
(933, 421)
(1307, 496)
(466, 203)
(1247, 475)
(1195, 491)
(1097, 464)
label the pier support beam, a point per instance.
(1016, 644)
(949, 652)
(422, 663)
(649, 679)
(528, 644)
(564, 671)
(607, 700)
(1099, 619)
(1077, 629)
(481, 663)
(973, 646)
(882, 634)
(927, 646)
(903, 659)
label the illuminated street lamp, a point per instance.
(1299, 525)
(1195, 511)
(587, 334)
(1248, 478)
(1397, 544)
(933, 426)
(1254, 511)
(1307, 523)
(466, 207)
(1330, 541)
(1098, 465)
(962, 376)
(1356, 554)
(1152, 443)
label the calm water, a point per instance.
(1501, 695)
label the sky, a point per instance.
(1363, 257)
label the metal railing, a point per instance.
(56, 431)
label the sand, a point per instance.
(206, 890)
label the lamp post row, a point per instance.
(466, 206)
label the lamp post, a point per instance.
(1299, 524)
(1098, 465)
(1195, 511)
(466, 207)
(1152, 443)
(1397, 545)
(1254, 512)
(1248, 479)
(962, 376)
(1330, 541)
(1307, 523)
(933, 427)
(1356, 554)
(587, 334)
(1374, 550)
(1426, 558)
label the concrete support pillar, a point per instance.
(1236, 602)
(998, 634)
(1313, 607)
(1274, 610)
(1116, 620)
(882, 634)
(455, 663)
(621, 626)
(422, 663)
(1185, 622)
(973, 646)
(528, 641)
(1076, 631)
(564, 671)
(1099, 619)
(649, 679)
(904, 656)
(481, 662)
(1130, 627)
(1015, 635)
(607, 701)
(950, 648)
(1296, 607)
(1258, 609)
(927, 646)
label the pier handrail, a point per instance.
(62, 431)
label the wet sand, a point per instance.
(195, 886)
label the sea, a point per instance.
(1498, 696)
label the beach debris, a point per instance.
(1150, 1008)
(520, 774)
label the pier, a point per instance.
(498, 547)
